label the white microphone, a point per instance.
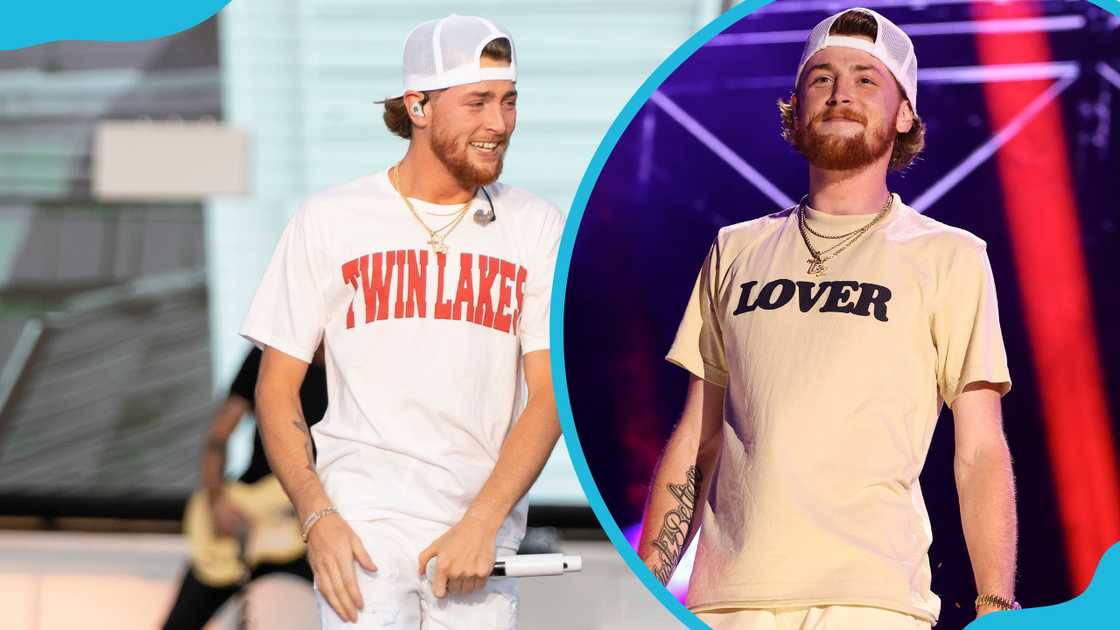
(536, 564)
(528, 565)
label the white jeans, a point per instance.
(815, 618)
(397, 597)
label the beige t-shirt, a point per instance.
(833, 386)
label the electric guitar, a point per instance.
(272, 534)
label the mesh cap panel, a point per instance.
(446, 52)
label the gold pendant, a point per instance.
(816, 267)
(437, 245)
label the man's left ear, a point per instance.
(904, 121)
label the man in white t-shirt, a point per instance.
(822, 341)
(429, 284)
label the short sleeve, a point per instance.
(245, 383)
(533, 328)
(288, 312)
(698, 346)
(966, 331)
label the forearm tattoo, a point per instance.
(674, 530)
(302, 426)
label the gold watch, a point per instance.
(995, 601)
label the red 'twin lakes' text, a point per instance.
(395, 284)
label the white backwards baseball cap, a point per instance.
(447, 52)
(892, 46)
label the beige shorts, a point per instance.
(815, 618)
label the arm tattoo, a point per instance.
(302, 426)
(674, 530)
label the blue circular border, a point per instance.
(35, 22)
(559, 291)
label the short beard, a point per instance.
(843, 153)
(455, 159)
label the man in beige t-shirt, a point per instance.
(822, 341)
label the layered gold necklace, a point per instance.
(843, 241)
(437, 236)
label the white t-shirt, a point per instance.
(833, 386)
(423, 351)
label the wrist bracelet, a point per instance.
(995, 601)
(314, 518)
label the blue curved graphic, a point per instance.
(33, 22)
(1084, 608)
(559, 289)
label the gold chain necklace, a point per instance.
(819, 257)
(437, 236)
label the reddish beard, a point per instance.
(842, 153)
(454, 156)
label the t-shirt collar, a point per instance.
(850, 221)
